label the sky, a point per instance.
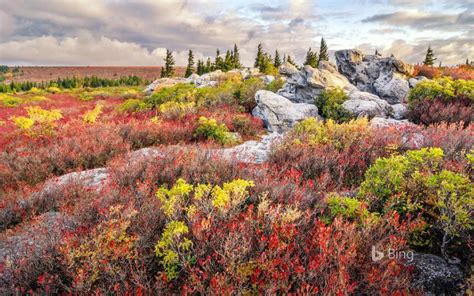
(137, 33)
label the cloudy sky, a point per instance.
(101, 32)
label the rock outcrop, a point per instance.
(362, 104)
(382, 76)
(278, 113)
(252, 151)
(305, 85)
(435, 276)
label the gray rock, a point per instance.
(364, 104)
(278, 113)
(436, 276)
(415, 80)
(383, 76)
(399, 111)
(252, 151)
(386, 122)
(394, 89)
(95, 178)
(305, 85)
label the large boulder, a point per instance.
(435, 276)
(415, 80)
(364, 104)
(383, 76)
(163, 82)
(252, 151)
(278, 113)
(305, 85)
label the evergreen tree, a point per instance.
(290, 60)
(376, 52)
(440, 65)
(429, 59)
(391, 55)
(209, 67)
(311, 58)
(277, 60)
(228, 62)
(259, 59)
(218, 62)
(284, 58)
(168, 69)
(236, 58)
(200, 67)
(190, 67)
(323, 51)
(467, 62)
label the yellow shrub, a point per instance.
(54, 89)
(92, 115)
(39, 121)
(176, 109)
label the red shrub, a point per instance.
(439, 110)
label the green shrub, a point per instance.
(132, 105)
(181, 92)
(346, 207)
(329, 104)
(444, 88)
(417, 184)
(209, 129)
(245, 93)
(275, 85)
(174, 110)
(9, 101)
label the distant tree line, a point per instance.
(74, 82)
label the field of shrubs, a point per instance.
(163, 214)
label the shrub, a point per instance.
(245, 93)
(442, 100)
(54, 89)
(9, 101)
(129, 94)
(416, 183)
(346, 207)
(329, 104)
(275, 85)
(180, 92)
(245, 124)
(132, 105)
(174, 110)
(209, 129)
(38, 122)
(92, 115)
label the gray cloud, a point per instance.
(425, 20)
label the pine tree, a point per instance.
(190, 67)
(168, 69)
(218, 62)
(323, 51)
(260, 57)
(290, 60)
(467, 62)
(236, 58)
(440, 65)
(284, 58)
(277, 60)
(429, 59)
(376, 52)
(228, 62)
(391, 55)
(200, 67)
(311, 58)
(209, 66)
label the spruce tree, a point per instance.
(277, 60)
(168, 69)
(209, 67)
(323, 51)
(200, 67)
(290, 60)
(236, 58)
(429, 59)
(190, 67)
(284, 58)
(311, 58)
(260, 57)
(228, 62)
(218, 62)
(376, 52)
(467, 62)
